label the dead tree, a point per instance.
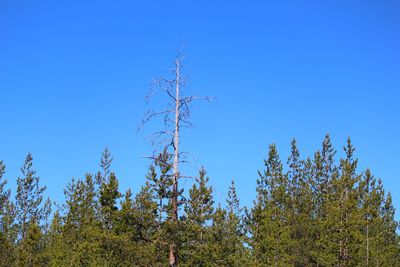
(175, 117)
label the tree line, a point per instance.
(315, 211)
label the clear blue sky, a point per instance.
(74, 74)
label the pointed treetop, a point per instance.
(349, 149)
(2, 168)
(233, 200)
(294, 158)
(26, 169)
(105, 163)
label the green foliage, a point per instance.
(195, 249)
(312, 212)
(29, 198)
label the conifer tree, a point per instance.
(390, 248)
(236, 253)
(145, 223)
(102, 177)
(300, 208)
(54, 250)
(7, 237)
(371, 199)
(81, 229)
(30, 251)
(218, 244)
(198, 212)
(272, 236)
(109, 196)
(324, 173)
(30, 212)
(29, 198)
(4, 194)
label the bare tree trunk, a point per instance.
(172, 254)
(175, 116)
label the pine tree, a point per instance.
(102, 177)
(81, 230)
(7, 237)
(109, 196)
(219, 245)
(272, 236)
(236, 253)
(4, 194)
(105, 165)
(341, 227)
(29, 198)
(300, 208)
(160, 179)
(324, 175)
(30, 211)
(391, 246)
(55, 248)
(31, 248)
(198, 212)
(145, 223)
(371, 201)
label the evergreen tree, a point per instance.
(29, 198)
(272, 235)
(105, 165)
(198, 212)
(300, 208)
(160, 179)
(109, 195)
(236, 253)
(30, 251)
(4, 194)
(30, 212)
(390, 248)
(219, 244)
(324, 175)
(7, 237)
(371, 200)
(81, 230)
(313, 212)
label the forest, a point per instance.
(308, 212)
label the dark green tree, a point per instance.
(300, 208)
(7, 229)
(29, 198)
(271, 238)
(236, 252)
(198, 213)
(109, 196)
(81, 231)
